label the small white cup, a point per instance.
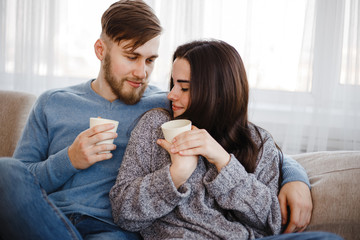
(173, 128)
(98, 121)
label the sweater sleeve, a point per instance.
(292, 171)
(250, 197)
(144, 190)
(32, 149)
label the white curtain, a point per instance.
(47, 44)
(28, 44)
(302, 57)
(327, 117)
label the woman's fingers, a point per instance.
(188, 140)
(164, 144)
(200, 142)
(195, 142)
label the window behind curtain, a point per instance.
(302, 56)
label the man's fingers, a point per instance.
(96, 134)
(302, 229)
(294, 224)
(290, 228)
(303, 221)
(100, 153)
(102, 148)
(102, 136)
(98, 128)
(307, 218)
(300, 218)
(101, 156)
(283, 209)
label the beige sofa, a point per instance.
(335, 190)
(14, 110)
(334, 176)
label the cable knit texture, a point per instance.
(232, 204)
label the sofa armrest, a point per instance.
(334, 178)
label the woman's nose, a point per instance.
(172, 94)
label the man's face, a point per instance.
(127, 71)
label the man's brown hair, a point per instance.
(130, 20)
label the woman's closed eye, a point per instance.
(184, 85)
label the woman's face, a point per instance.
(180, 93)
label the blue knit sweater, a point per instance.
(56, 119)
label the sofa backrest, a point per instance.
(14, 111)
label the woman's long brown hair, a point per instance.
(219, 95)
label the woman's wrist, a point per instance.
(225, 159)
(180, 173)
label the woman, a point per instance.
(218, 181)
(231, 191)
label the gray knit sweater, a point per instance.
(232, 204)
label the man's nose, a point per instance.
(140, 70)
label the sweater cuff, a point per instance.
(229, 177)
(61, 166)
(166, 189)
(292, 171)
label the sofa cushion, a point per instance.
(334, 178)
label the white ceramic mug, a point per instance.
(173, 128)
(98, 121)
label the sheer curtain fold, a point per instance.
(331, 120)
(304, 70)
(29, 33)
(351, 56)
(326, 71)
(2, 36)
(31, 47)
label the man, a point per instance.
(57, 184)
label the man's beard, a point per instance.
(117, 87)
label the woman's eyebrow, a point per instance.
(183, 81)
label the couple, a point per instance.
(57, 184)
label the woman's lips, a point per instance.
(176, 108)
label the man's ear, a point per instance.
(100, 49)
